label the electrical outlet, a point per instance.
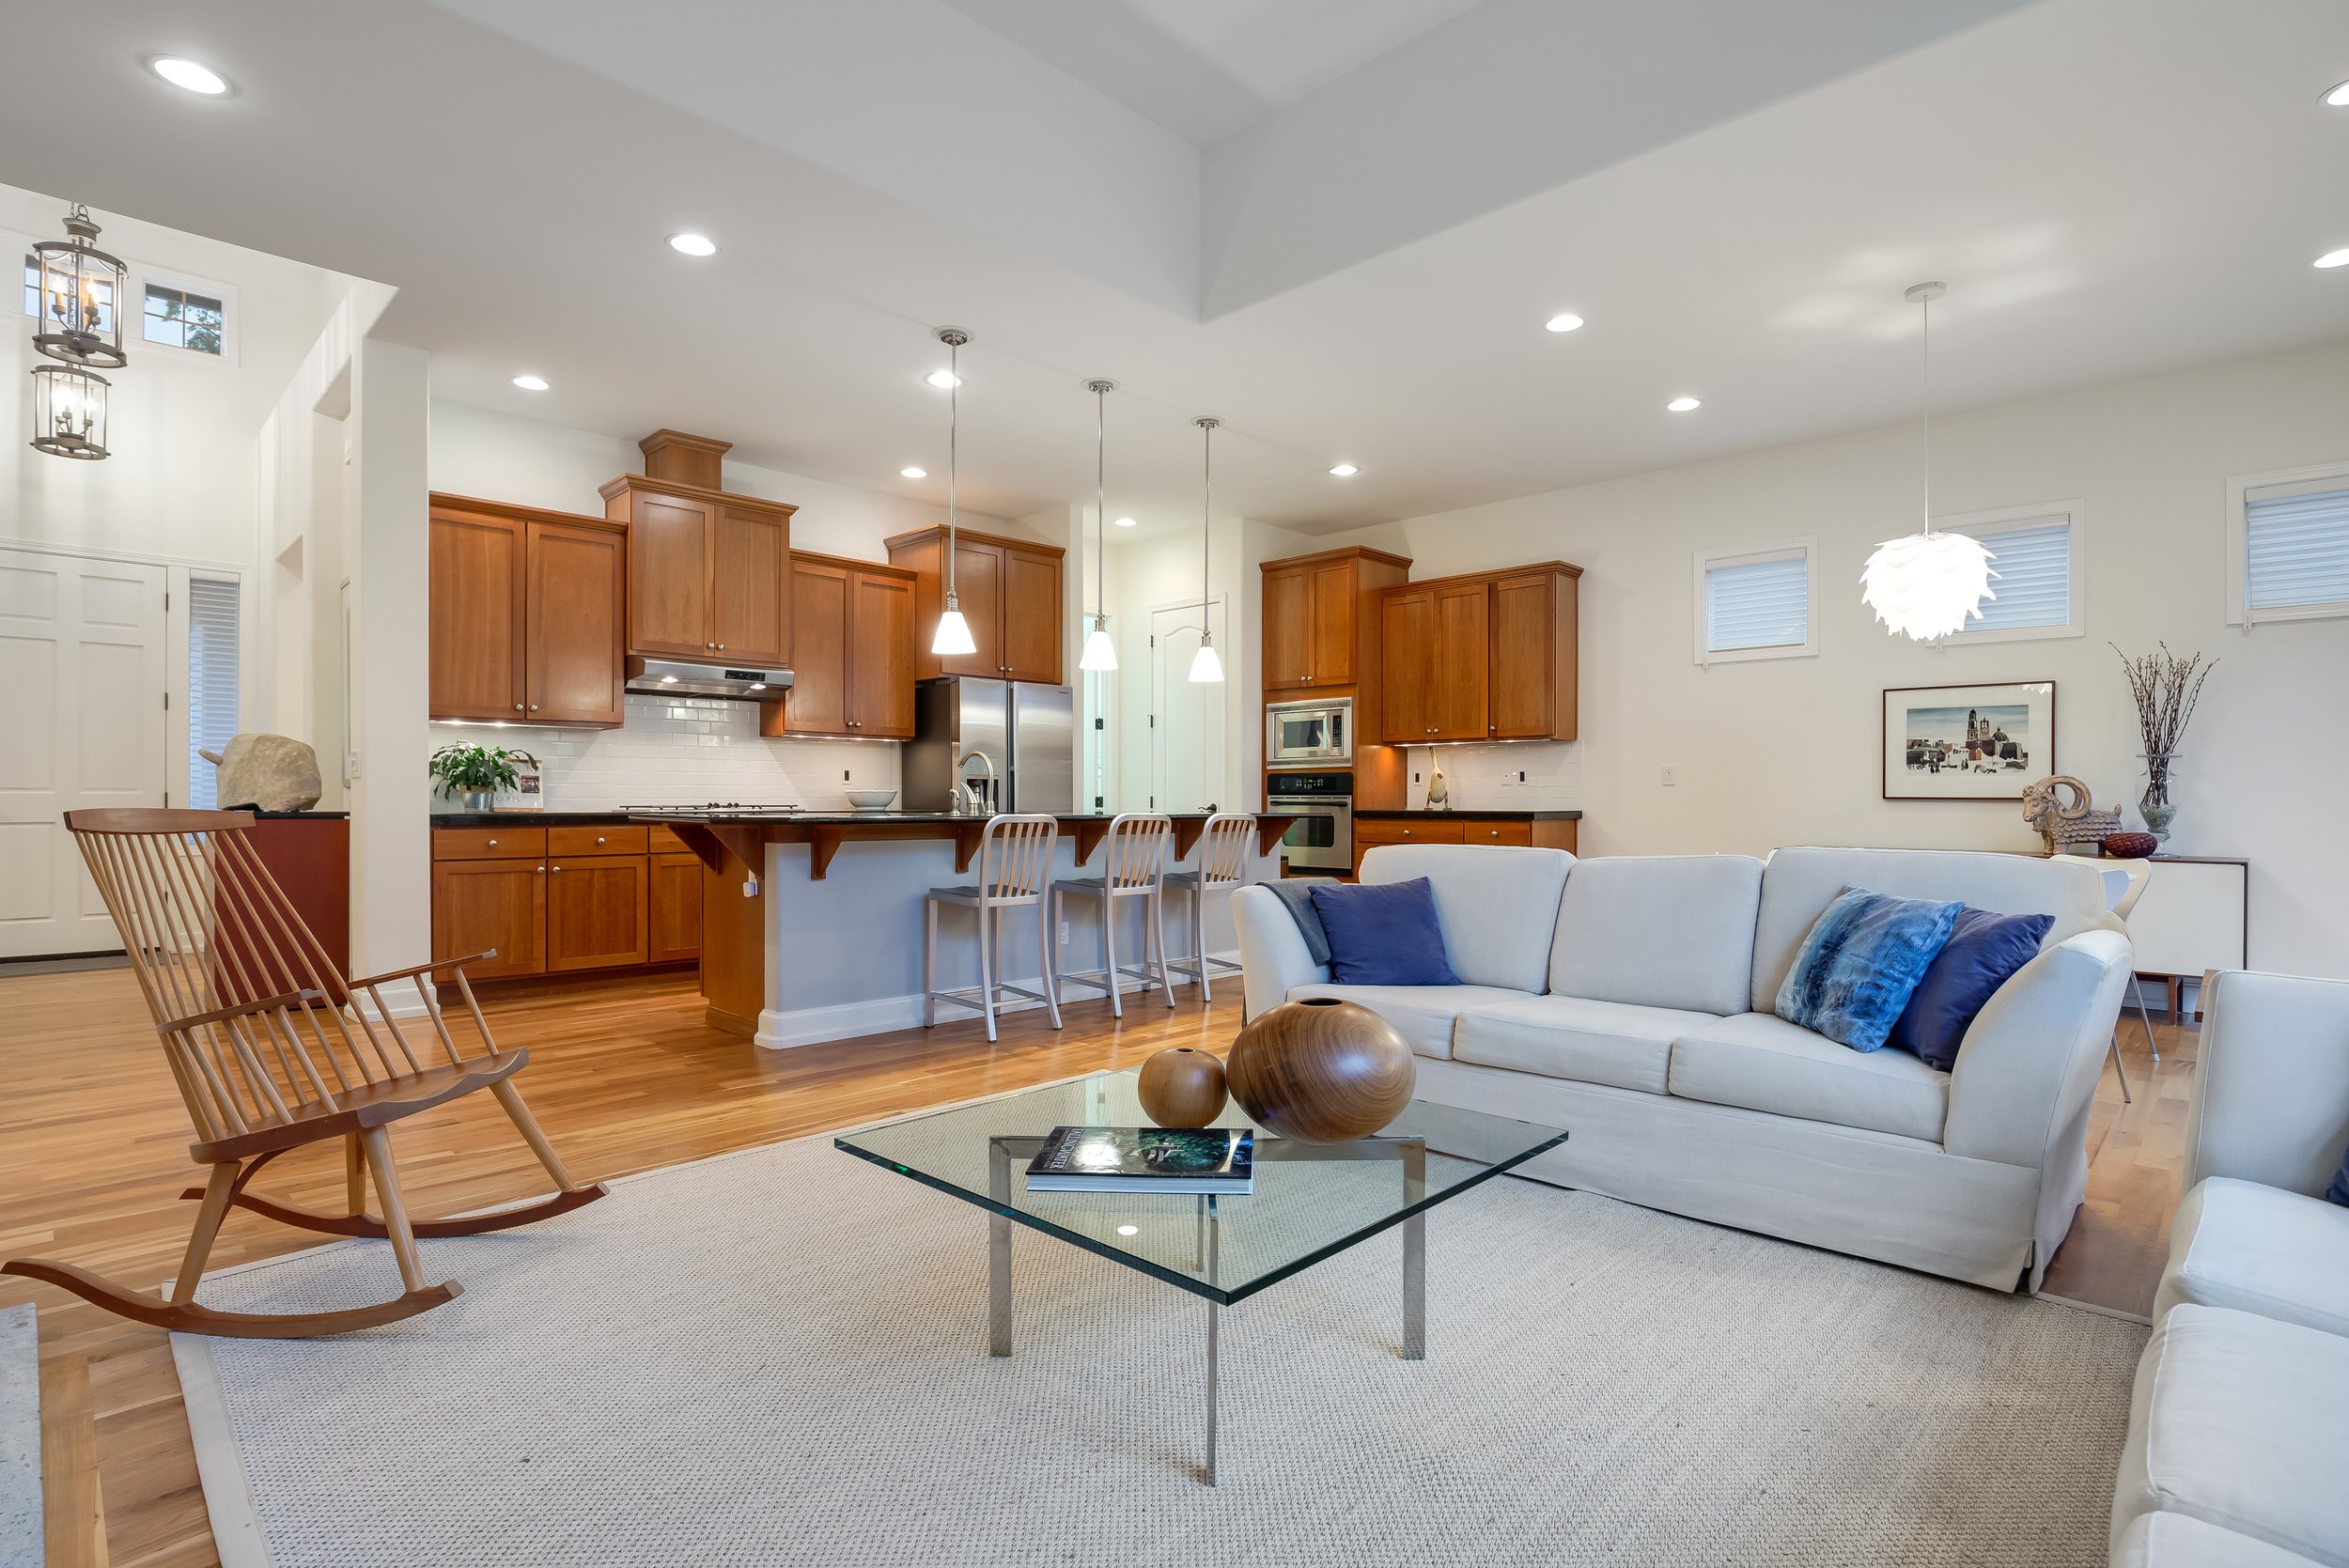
(1520, 775)
(1415, 778)
(1672, 775)
(843, 775)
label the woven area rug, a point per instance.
(779, 1358)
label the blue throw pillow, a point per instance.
(1984, 949)
(1859, 964)
(2339, 1192)
(1383, 934)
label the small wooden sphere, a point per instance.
(1321, 1071)
(1182, 1088)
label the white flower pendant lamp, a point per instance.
(1205, 665)
(954, 632)
(1927, 585)
(1101, 653)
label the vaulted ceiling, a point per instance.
(1339, 224)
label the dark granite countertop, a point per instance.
(529, 818)
(1375, 815)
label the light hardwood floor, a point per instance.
(93, 1151)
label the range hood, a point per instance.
(670, 678)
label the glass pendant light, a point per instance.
(1926, 585)
(1205, 665)
(81, 298)
(1101, 653)
(954, 632)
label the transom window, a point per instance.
(1756, 603)
(2288, 539)
(2034, 555)
(183, 318)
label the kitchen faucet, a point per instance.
(961, 788)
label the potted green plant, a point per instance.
(474, 774)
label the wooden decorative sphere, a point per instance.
(1182, 1088)
(2130, 847)
(1321, 1071)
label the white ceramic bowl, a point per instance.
(871, 800)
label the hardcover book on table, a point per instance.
(1166, 1160)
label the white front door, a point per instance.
(82, 724)
(1186, 716)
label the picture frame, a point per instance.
(1979, 742)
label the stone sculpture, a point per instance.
(2060, 825)
(265, 773)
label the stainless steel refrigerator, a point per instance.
(1029, 731)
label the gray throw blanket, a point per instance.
(1295, 892)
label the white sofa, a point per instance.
(1628, 1001)
(2238, 1446)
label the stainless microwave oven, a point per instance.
(1313, 734)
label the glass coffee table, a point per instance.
(1311, 1201)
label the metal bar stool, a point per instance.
(1015, 869)
(1222, 867)
(2124, 884)
(1135, 867)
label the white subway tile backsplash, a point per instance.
(684, 752)
(1486, 776)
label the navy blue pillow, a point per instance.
(1383, 934)
(1984, 949)
(2339, 1192)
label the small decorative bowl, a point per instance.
(2130, 847)
(871, 800)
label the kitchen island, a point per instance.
(801, 943)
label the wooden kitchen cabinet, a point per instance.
(1313, 618)
(676, 909)
(480, 904)
(526, 617)
(1010, 590)
(1548, 832)
(852, 651)
(708, 573)
(596, 911)
(1488, 657)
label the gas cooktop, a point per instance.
(731, 808)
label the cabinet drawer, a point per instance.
(624, 838)
(1474, 831)
(1431, 830)
(488, 844)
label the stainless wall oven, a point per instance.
(1314, 734)
(1322, 838)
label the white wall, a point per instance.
(1786, 751)
(681, 752)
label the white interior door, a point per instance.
(1187, 724)
(82, 724)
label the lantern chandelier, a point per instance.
(1926, 585)
(1101, 653)
(81, 291)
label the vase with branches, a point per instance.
(477, 772)
(2165, 688)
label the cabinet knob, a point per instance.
(709, 644)
(493, 844)
(1406, 832)
(534, 708)
(1496, 832)
(721, 647)
(517, 708)
(558, 868)
(599, 838)
(540, 869)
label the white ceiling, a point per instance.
(2109, 186)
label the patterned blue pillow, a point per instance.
(1861, 961)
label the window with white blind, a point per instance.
(2288, 535)
(1756, 603)
(2035, 552)
(212, 669)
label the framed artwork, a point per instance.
(1967, 742)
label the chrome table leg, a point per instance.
(1214, 1313)
(999, 1251)
(1415, 1255)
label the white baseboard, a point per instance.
(849, 1020)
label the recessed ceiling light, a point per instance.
(693, 244)
(1683, 405)
(1125, 523)
(1128, 1230)
(2333, 258)
(942, 380)
(1345, 471)
(2339, 97)
(1566, 323)
(186, 73)
(531, 383)
(913, 474)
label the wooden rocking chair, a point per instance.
(273, 1049)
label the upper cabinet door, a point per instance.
(577, 624)
(1525, 657)
(750, 564)
(978, 583)
(819, 699)
(1288, 628)
(1460, 683)
(881, 656)
(476, 652)
(1333, 627)
(669, 553)
(1031, 617)
(1407, 643)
